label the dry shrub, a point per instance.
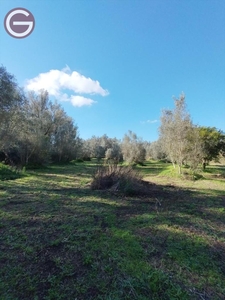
(117, 178)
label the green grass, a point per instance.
(61, 240)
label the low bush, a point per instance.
(118, 178)
(9, 173)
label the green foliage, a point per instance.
(213, 143)
(9, 173)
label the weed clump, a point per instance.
(118, 179)
(9, 173)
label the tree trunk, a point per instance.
(179, 169)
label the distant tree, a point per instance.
(93, 145)
(156, 150)
(99, 152)
(213, 144)
(147, 146)
(133, 148)
(65, 141)
(85, 152)
(97, 146)
(105, 142)
(114, 154)
(174, 131)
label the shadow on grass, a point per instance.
(72, 169)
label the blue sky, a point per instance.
(115, 64)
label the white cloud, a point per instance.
(81, 101)
(56, 81)
(149, 121)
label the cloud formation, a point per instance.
(149, 122)
(57, 81)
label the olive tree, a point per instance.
(114, 154)
(174, 131)
(133, 148)
(156, 150)
(47, 134)
(11, 107)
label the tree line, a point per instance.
(35, 130)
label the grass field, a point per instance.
(61, 240)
